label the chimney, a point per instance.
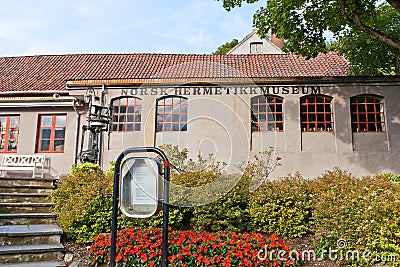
(277, 41)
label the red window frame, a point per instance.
(367, 113)
(171, 114)
(267, 113)
(316, 113)
(124, 120)
(9, 135)
(52, 138)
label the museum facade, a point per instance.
(309, 112)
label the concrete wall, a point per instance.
(59, 163)
(220, 124)
(244, 46)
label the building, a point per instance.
(253, 44)
(233, 106)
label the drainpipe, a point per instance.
(78, 122)
(101, 139)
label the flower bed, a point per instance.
(186, 248)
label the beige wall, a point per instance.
(59, 163)
(220, 124)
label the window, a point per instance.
(367, 113)
(9, 129)
(267, 113)
(256, 48)
(51, 133)
(126, 113)
(172, 114)
(316, 113)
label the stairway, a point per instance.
(29, 236)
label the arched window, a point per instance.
(267, 113)
(367, 113)
(316, 112)
(172, 114)
(126, 113)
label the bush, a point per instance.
(83, 205)
(365, 213)
(82, 202)
(228, 213)
(143, 248)
(283, 207)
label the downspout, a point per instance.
(78, 123)
(101, 139)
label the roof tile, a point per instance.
(50, 72)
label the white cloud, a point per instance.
(118, 26)
(200, 39)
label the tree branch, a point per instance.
(394, 3)
(357, 23)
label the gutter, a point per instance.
(47, 101)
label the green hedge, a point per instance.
(363, 212)
(283, 207)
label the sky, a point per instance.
(43, 27)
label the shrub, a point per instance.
(186, 248)
(83, 205)
(82, 202)
(365, 213)
(228, 213)
(283, 207)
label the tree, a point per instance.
(368, 55)
(303, 23)
(223, 49)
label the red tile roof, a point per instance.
(50, 72)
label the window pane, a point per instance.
(175, 118)
(60, 133)
(131, 109)
(175, 127)
(46, 133)
(45, 145)
(46, 121)
(61, 121)
(123, 101)
(129, 127)
(122, 109)
(183, 118)
(14, 122)
(130, 118)
(137, 127)
(58, 145)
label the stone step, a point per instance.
(26, 181)
(25, 207)
(37, 264)
(27, 218)
(16, 235)
(31, 253)
(26, 189)
(23, 197)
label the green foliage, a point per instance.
(304, 24)
(364, 212)
(82, 203)
(366, 54)
(283, 207)
(393, 178)
(228, 213)
(224, 49)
